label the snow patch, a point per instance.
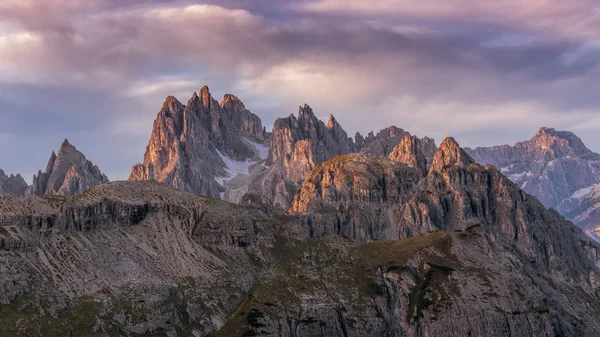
(262, 150)
(580, 193)
(518, 176)
(233, 168)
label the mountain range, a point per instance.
(227, 229)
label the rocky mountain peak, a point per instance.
(450, 154)
(68, 172)
(553, 165)
(380, 144)
(12, 184)
(332, 122)
(205, 96)
(354, 177)
(230, 99)
(305, 112)
(194, 147)
(410, 152)
(66, 149)
(561, 142)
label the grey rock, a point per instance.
(67, 173)
(190, 143)
(553, 166)
(410, 152)
(12, 184)
(297, 145)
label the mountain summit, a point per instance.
(198, 147)
(68, 172)
(553, 165)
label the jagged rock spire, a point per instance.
(409, 152)
(205, 96)
(68, 172)
(450, 154)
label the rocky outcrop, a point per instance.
(450, 154)
(195, 147)
(387, 139)
(586, 213)
(12, 184)
(142, 258)
(410, 152)
(555, 166)
(297, 145)
(354, 195)
(67, 173)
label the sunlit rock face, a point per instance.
(411, 151)
(199, 146)
(68, 172)
(297, 145)
(371, 249)
(555, 166)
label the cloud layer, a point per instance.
(486, 72)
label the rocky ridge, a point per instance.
(224, 151)
(555, 166)
(67, 173)
(461, 251)
(296, 146)
(194, 147)
(12, 184)
(586, 213)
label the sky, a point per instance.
(486, 72)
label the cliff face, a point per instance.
(296, 146)
(586, 213)
(355, 195)
(12, 184)
(412, 152)
(223, 151)
(555, 166)
(193, 147)
(368, 198)
(143, 258)
(67, 173)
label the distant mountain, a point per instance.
(555, 166)
(67, 173)
(12, 184)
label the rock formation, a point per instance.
(554, 166)
(355, 195)
(387, 139)
(410, 152)
(12, 184)
(220, 150)
(67, 173)
(296, 146)
(194, 145)
(141, 258)
(585, 213)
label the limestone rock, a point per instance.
(67, 173)
(410, 152)
(194, 147)
(353, 195)
(139, 257)
(12, 184)
(450, 154)
(555, 166)
(296, 146)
